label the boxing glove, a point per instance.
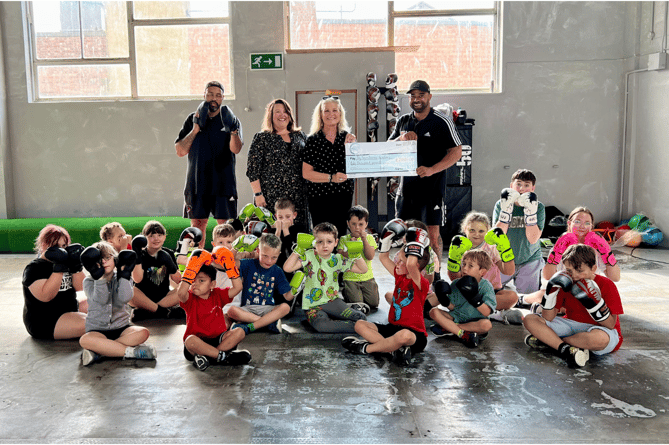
(138, 244)
(58, 256)
(236, 224)
(507, 199)
(560, 246)
(297, 282)
(91, 259)
(226, 259)
(125, 263)
(469, 288)
(590, 296)
(165, 259)
(393, 231)
(442, 290)
(257, 228)
(354, 248)
(189, 234)
(304, 242)
(265, 215)
(246, 243)
(459, 245)
(416, 242)
(198, 259)
(247, 211)
(529, 202)
(496, 237)
(230, 121)
(74, 257)
(592, 239)
(200, 117)
(560, 280)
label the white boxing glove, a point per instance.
(507, 199)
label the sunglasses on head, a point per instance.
(331, 97)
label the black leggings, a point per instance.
(332, 209)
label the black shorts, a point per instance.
(428, 210)
(112, 334)
(388, 330)
(210, 341)
(201, 206)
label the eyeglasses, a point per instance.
(578, 222)
(331, 97)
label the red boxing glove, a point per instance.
(417, 241)
(601, 246)
(561, 245)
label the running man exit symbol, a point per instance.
(272, 61)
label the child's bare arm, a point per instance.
(507, 268)
(236, 287)
(367, 249)
(288, 296)
(292, 263)
(359, 266)
(389, 264)
(412, 268)
(182, 291)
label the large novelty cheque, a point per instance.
(374, 159)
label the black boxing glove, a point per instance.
(91, 259)
(125, 263)
(74, 257)
(469, 288)
(202, 112)
(442, 290)
(58, 256)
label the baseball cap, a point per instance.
(419, 85)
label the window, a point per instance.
(452, 45)
(103, 50)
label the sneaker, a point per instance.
(438, 331)
(508, 316)
(176, 313)
(275, 327)
(361, 307)
(534, 343)
(470, 339)
(245, 327)
(236, 357)
(200, 362)
(89, 357)
(402, 356)
(577, 357)
(355, 345)
(145, 352)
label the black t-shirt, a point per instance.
(156, 281)
(211, 164)
(287, 243)
(436, 136)
(35, 311)
(326, 157)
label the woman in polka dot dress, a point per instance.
(329, 191)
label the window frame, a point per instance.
(496, 11)
(32, 63)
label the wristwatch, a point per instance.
(330, 177)
(257, 194)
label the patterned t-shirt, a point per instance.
(326, 157)
(322, 284)
(259, 283)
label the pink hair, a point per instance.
(49, 236)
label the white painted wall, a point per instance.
(561, 106)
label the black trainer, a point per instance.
(355, 345)
(402, 356)
(470, 339)
(200, 362)
(236, 357)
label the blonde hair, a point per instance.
(268, 123)
(473, 217)
(108, 229)
(106, 249)
(317, 116)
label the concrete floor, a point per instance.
(302, 387)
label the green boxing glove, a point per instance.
(354, 248)
(246, 243)
(304, 241)
(248, 211)
(265, 215)
(297, 282)
(496, 237)
(459, 245)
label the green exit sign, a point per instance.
(272, 61)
